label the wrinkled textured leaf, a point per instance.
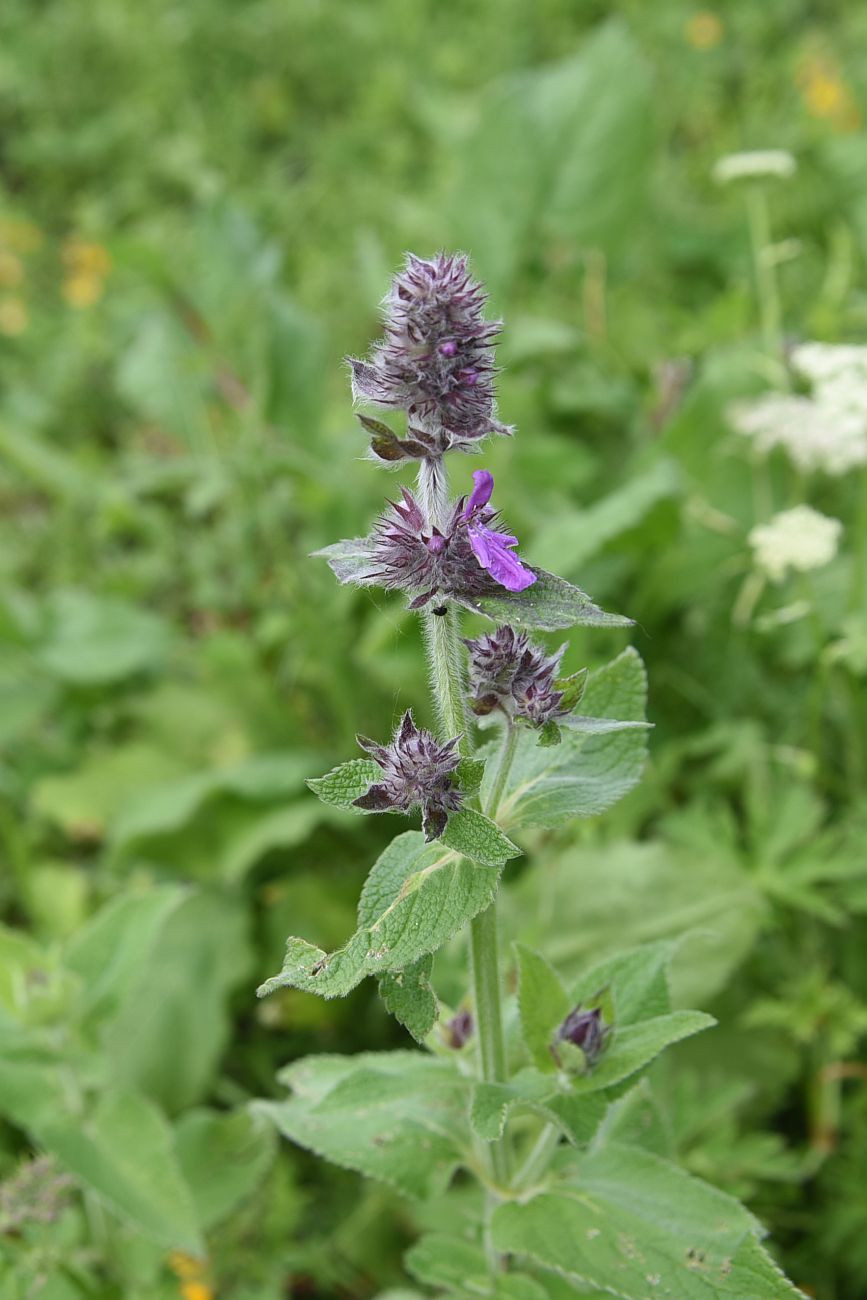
(410, 998)
(583, 775)
(396, 1116)
(629, 1220)
(550, 603)
(419, 894)
(346, 782)
(477, 837)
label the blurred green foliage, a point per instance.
(200, 205)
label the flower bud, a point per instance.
(509, 672)
(585, 1030)
(417, 770)
(460, 1029)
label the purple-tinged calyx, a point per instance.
(436, 361)
(416, 771)
(585, 1030)
(509, 672)
(466, 558)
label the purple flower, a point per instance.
(436, 361)
(584, 1029)
(416, 769)
(465, 558)
(493, 550)
(509, 672)
(460, 1029)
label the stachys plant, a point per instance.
(538, 1098)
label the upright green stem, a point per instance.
(766, 275)
(507, 754)
(442, 638)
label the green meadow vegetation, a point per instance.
(201, 205)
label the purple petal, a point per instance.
(481, 493)
(493, 552)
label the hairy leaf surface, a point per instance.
(628, 1222)
(396, 1116)
(416, 897)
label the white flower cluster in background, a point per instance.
(801, 539)
(826, 430)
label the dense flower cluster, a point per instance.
(825, 430)
(801, 539)
(416, 770)
(467, 557)
(508, 672)
(436, 361)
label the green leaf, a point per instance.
(461, 1267)
(408, 996)
(180, 995)
(477, 837)
(563, 151)
(585, 773)
(571, 540)
(632, 1047)
(224, 1155)
(124, 1152)
(550, 603)
(416, 897)
(629, 1219)
(114, 948)
(635, 892)
(350, 560)
(344, 783)
(470, 774)
(396, 1116)
(636, 981)
(443, 1261)
(543, 1003)
(94, 639)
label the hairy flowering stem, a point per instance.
(443, 643)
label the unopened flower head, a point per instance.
(800, 539)
(508, 672)
(467, 557)
(416, 770)
(584, 1029)
(436, 361)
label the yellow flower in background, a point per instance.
(14, 316)
(19, 235)
(196, 1291)
(83, 258)
(87, 265)
(704, 30)
(82, 290)
(191, 1273)
(826, 95)
(11, 270)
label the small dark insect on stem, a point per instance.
(440, 611)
